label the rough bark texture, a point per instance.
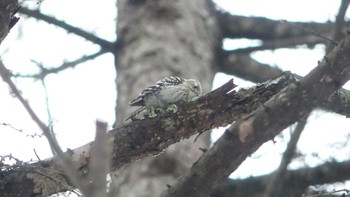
(295, 182)
(146, 137)
(7, 10)
(246, 135)
(158, 39)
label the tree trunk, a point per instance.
(158, 39)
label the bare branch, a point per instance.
(338, 32)
(245, 67)
(66, 163)
(10, 157)
(295, 182)
(21, 130)
(105, 45)
(151, 136)
(312, 32)
(49, 115)
(281, 43)
(249, 133)
(46, 71)
(264, 29)
(275, 183)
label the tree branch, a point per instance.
(249, 133)
(309, 40)
(338, 32)
(276, 181)
(104, 44)
(261, 28)
(46, 71)
(339, 103)
(295, 181)
(338, 27)
(245, 67)
(62, 159)
(152, 135)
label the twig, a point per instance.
(105, 45)
(66, 162)
(21, 130)
(5, 74)
(36, 154)
(11, 157)
(49, 114)
(275, 183)
(45, 71)
(47, 102)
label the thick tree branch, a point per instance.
(105, 45)
(144, 147)
(338, 32)
(261, 28)
(295, 181)
(245, 67)
(339, 103)
(309, 40)
(212, 110)
(249, 133)
(151, 135)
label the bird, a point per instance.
(166, 91)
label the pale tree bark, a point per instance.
(158, 39)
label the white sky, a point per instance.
(78, 96)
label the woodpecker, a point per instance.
(167, 91)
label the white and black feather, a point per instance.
(154, 90)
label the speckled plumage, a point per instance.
(167, 91)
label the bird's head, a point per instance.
(195, 87)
